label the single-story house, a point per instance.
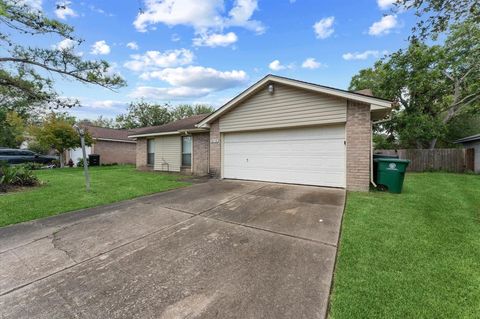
(113, 145)
(472, 142)
(278, 130)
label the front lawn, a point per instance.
(64, 191)
(414, 255)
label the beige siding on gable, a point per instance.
(168, 153)
(287, 107)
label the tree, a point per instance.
(24, 70)
(186, 110)
(431, 85)
(438, 15)
(103, 122)
(12, 127)
(141, 114)
(57, 132)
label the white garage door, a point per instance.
(310, 156)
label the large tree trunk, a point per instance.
(62, 164)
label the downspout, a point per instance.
(371, 157)
(371, 146)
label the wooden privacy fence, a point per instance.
(443, 159)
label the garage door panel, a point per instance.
(313, 156)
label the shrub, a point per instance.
(17, 176)
(80, 162)
(33, 166)
(109, 164)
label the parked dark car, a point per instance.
(16, 156)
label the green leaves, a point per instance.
(142, 114)
(436, 16)
(57, 132)
(432, 85)
(24, 72)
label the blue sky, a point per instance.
(192, 51)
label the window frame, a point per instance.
(184, 153)
(152, 151)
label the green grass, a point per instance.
(64, 191)
(413, 255)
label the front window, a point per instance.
(150, 151)
(186, 150)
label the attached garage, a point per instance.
(278, 130)
(310, 156)
(288, 131)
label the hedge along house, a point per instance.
(278, 130)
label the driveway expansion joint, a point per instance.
(273, 232)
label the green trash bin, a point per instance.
(390, 173)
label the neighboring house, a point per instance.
(278, 130)
(472, 142)
(113, 146)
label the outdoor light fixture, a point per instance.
(270, 89)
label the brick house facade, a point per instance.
(273, 139)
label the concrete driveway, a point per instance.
(220, 249)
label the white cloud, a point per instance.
(385, 4)
(64, 10)
(241, 13)
(198, 77)
(156, 59)
(65, 44)
(132, 45)
(215, 40)
(384, 26)
(311, 63)
(201, 15)
(104, 104)
(175, 37)
(324, 27)
(275, 65)
(174, 93)
(36, 5)
(362, 55)
(100, 47)
(189, 82)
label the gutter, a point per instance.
(179, 132)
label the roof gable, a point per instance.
(376, 103)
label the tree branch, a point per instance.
(71, 73)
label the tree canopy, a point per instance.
(25, 72)
(432, 85)
(57, 132)
(436, 16)
(142, 114)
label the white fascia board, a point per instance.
(113, 140)
(154, 134)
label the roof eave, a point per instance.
(179, 132)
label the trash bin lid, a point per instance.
(390, 160)
(384, 156)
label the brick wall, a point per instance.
(358, 130)
(115, 152)
(215, 150)
(141, 153)
(200, 151)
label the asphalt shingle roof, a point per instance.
(183, 124)
(107, 133)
